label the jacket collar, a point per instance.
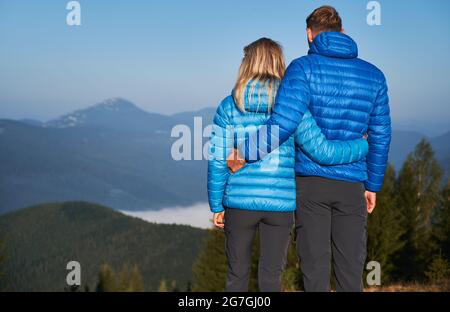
(256, 96)
(334, 44)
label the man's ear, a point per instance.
(309, 34)
(342, 31)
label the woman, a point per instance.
(262, 194)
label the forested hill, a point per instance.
(39, 242)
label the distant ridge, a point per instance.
(32, 122)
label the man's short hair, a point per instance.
(325, 18)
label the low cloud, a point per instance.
(197, 215)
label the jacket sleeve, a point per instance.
(379, 138)
(291, 103)
(313, 142)
(220, 145)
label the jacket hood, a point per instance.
(256, 96)
(334, 44)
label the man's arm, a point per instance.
(379, 139)
(291, 102)
(313, 142)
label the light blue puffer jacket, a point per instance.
(346, 96)
(269, 184)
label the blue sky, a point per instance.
(171, 56)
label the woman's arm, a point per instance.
(313, 143)
(220, 147)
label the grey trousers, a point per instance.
(331, 224)
(240, 229)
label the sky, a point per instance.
(172, 56)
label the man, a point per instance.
(348, 98)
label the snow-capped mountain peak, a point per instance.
(116, 103)
(109, 109)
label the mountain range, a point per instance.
(116, 154)
(112, 153)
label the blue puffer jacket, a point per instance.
(269, 184)
(346, 96)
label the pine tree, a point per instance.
(124, 280)
(174, 286)
(438, 271)
(419, 194)
(136, 282)
(442, 226)
(106, 279)
(163, 286)
(127, 280)
(210, 268)
(384, 226)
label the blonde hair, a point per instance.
(263, 61)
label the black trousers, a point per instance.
(331, 224)
(240, 229)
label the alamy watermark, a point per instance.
(73, 18)
(190, 145)
(188, 141)
(373, 277)
(73, 278)
(374, 15)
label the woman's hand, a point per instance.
(218, 219)
(234, 162)
(371, 200)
